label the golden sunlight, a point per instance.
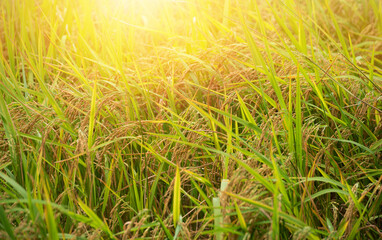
(147, 13)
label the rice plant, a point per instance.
(190, 119)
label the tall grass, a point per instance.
(161, 119)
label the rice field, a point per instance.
(191, 119)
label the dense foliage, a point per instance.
(194, 119)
